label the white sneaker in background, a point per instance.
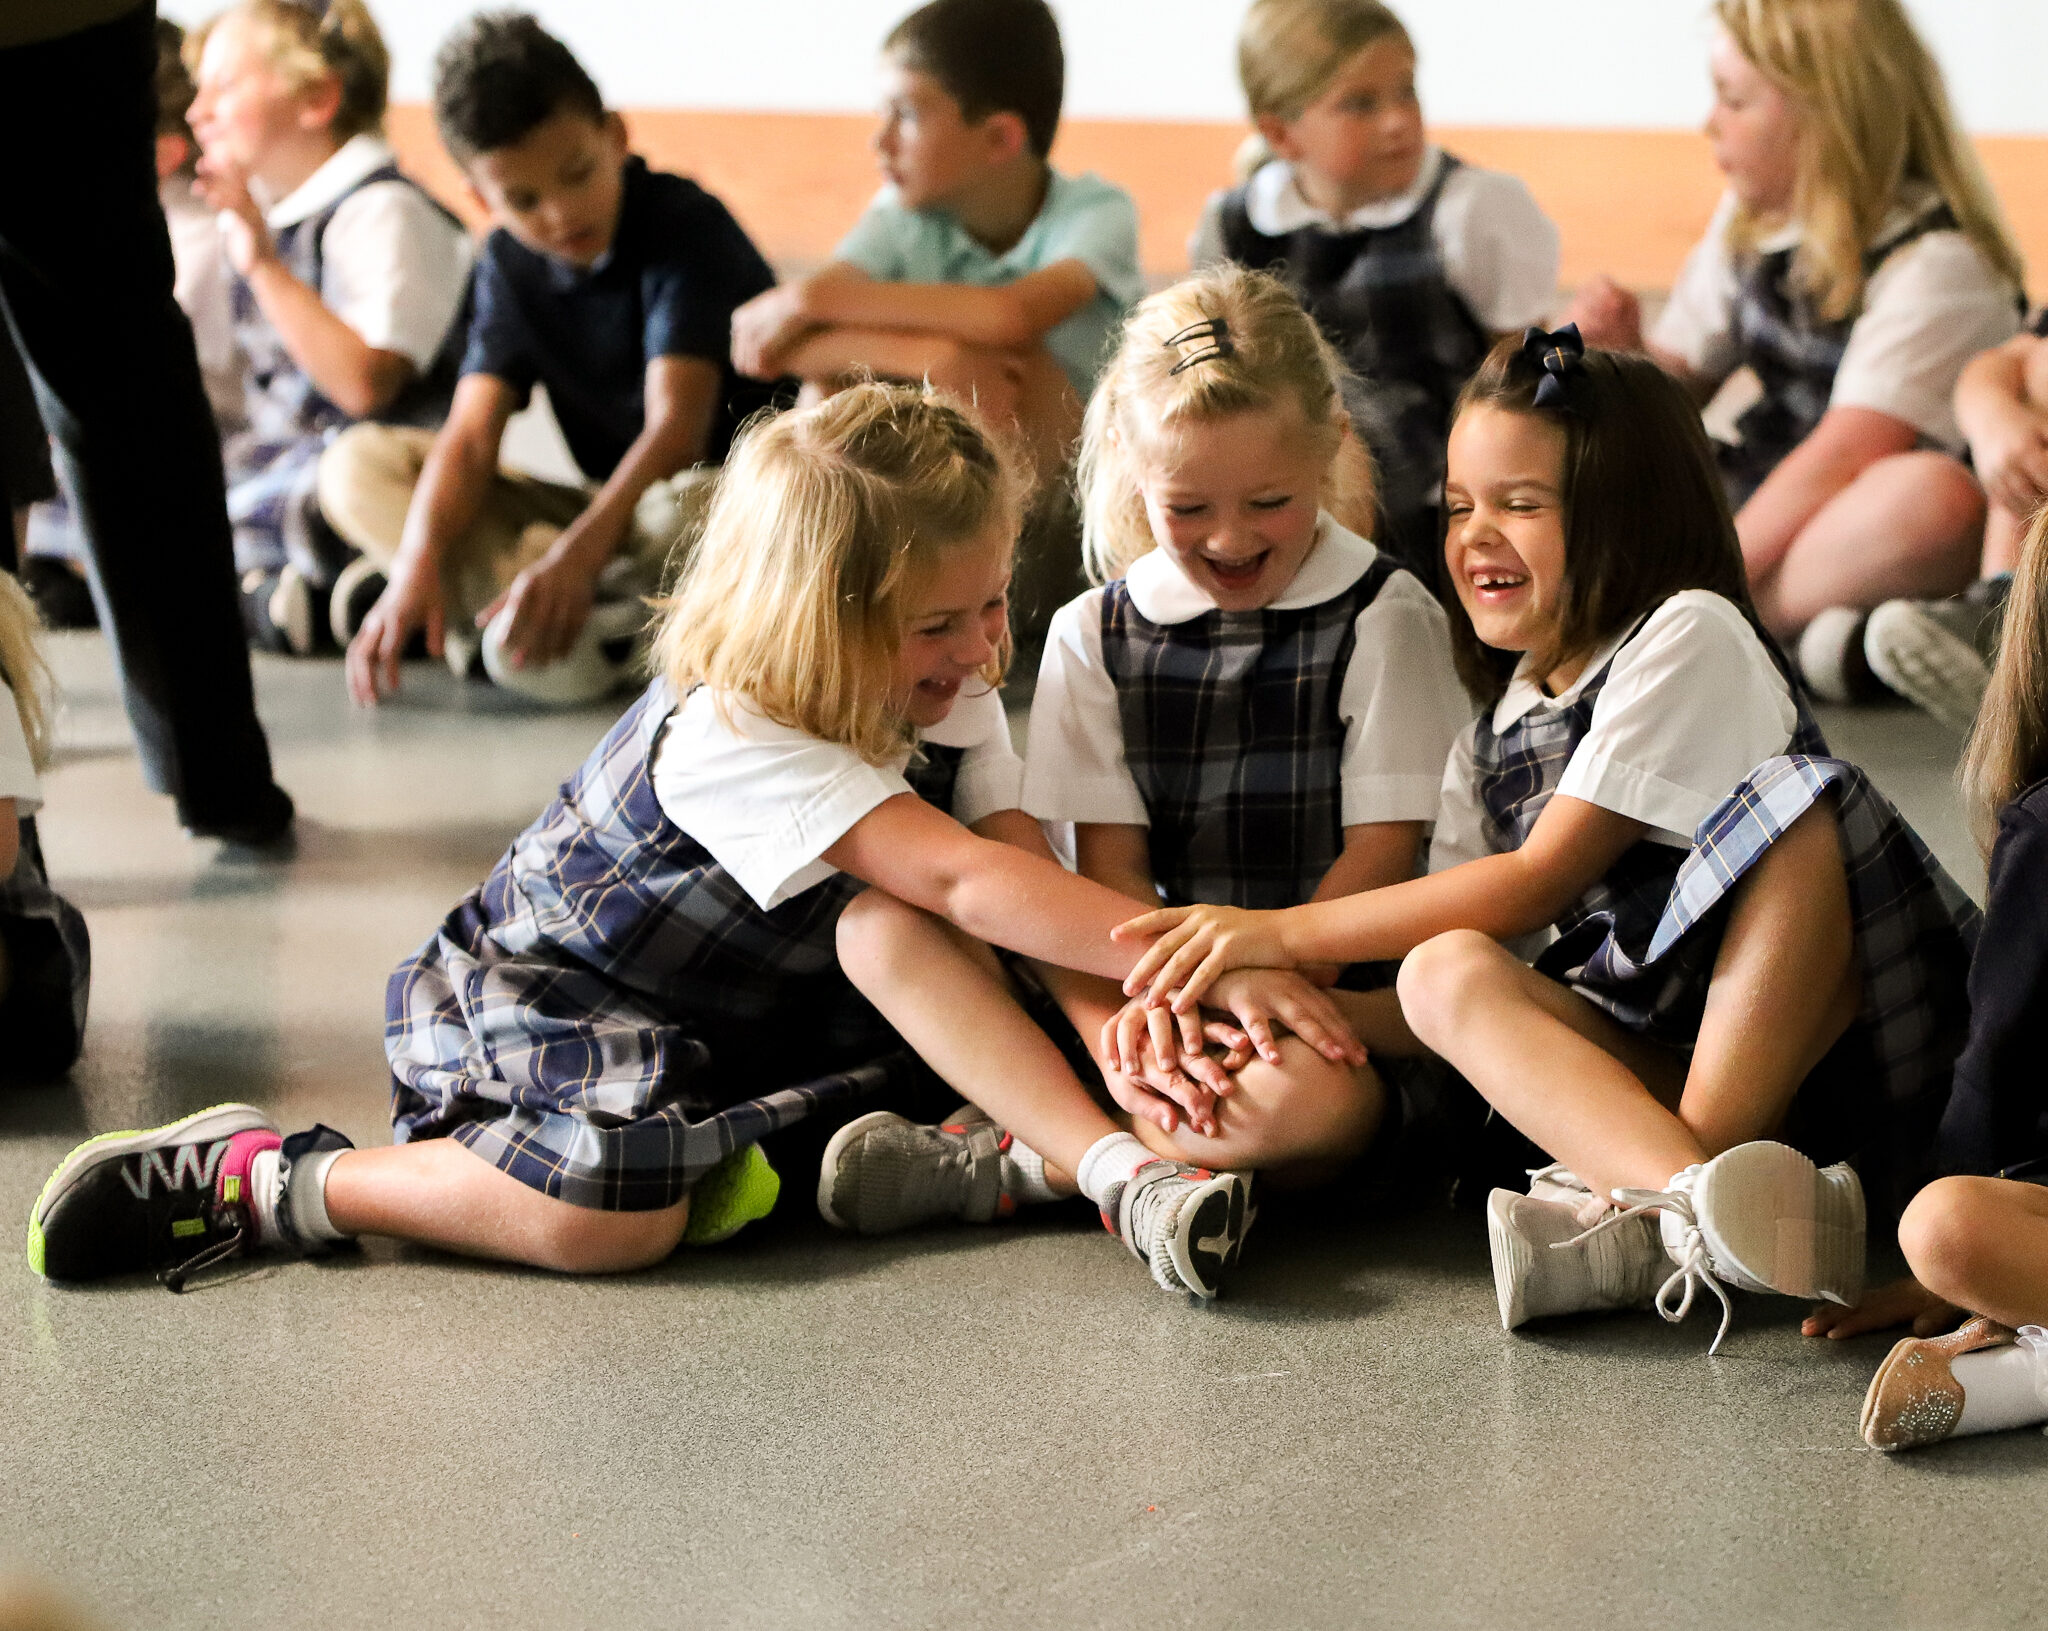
(1545, 1262)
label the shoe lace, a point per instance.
(173, 1278)
(1695, 1267)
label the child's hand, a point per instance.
(550, 602)
(766, 327)
(2012, 462)
(1609, 316)
(1150, 1075)
(1260, 996)
(1196, 945)
(411, 601)
(1883, 1306)
(244, 234)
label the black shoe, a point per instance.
(359, 587)
(265, 826)
(61, 594)
(171, 1198)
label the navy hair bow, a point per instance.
(1560, 356)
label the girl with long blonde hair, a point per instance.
(1856, 262)
(818, 784)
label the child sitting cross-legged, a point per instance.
(613, 286)
(586, 1052)
(1750, 959)
(978, 267)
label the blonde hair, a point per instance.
(1277, 354)
(1288, 52)
(825, 524)
(307, 41)
(23, 669)
(2008, 748)
(1875, 117)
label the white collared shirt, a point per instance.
(1693, 703)
(1500, 251)
(1400, 698)
(767, 801)
(1932, 306)
(393, 267)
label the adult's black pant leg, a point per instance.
(85, 280)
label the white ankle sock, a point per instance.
(306, 1197)
(1999, 1391)
(1024, 1175)
(264, 1176)
(1110, 1161)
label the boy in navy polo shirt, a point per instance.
(613, 286)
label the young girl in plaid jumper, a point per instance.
(1745, 941)
(587, 1050)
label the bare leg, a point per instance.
(438, 1193)
(1618, 1111)
(1981, 1243)
(1909, 526)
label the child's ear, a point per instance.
(1278, 134)
(320, 103)
(615, 133)
(1006, 135)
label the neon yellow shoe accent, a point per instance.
(733, 1194)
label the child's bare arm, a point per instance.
(2004, 414)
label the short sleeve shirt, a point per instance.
(1400, 698)
(677, 267)
(1693, 703)
(1500, 251)
(1083, 218)
(767, 800)
(1933, 305)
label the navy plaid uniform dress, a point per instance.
(42, 1017)
(1641, 943)
(609, 1014)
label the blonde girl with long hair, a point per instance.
(1976, 1241)
(45, 955)
(587, 1053)
(1857, 261)
(1412, 260)
(349, 278)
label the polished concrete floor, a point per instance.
(972, 1427)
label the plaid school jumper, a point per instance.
(609, 1014)
(1383, 297)
(1641, 943)
(1232, 733)
(1795, 354)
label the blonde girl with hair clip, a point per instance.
(1856, 263)
(587, 1052)
(349, 279)
(1744, 961)
(1411, 260)
(45, 953)
(1976, 1240)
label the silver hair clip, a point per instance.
(1215, 331)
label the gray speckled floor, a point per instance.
(974, 1427)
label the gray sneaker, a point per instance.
(1938, 653)
(1186, 1224)
(1831, 658)
(882, 1173)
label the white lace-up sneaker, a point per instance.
(1535, 1278)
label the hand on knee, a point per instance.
(1440, 978)
(1303, 1111)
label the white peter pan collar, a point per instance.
(1524, 694)
(1274, 204)
(1163, 593)
(359, 156)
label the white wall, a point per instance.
(1484, 62)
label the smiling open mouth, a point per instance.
(1236, 574)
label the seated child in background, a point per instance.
(1974, 1241)
(1255, 709)
(1855, 285)
(349, 279)
(611, 284)
(1745, 941)
(45, 954)
(1412, 261)
(978, 267)
(53, 569)
(586, 1051)
(1938, 653)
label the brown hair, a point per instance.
(825, 524)
(1875, 116)
(307, 41)
(1645, 515)
(2008, 748)
(174, 89)
(1277, 355)
(990, 56)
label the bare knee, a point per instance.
(1304, 1112)
(878, 934)
(582, 1240)
(1440, 978)
(1950, 1235)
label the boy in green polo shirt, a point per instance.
(978, 266)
